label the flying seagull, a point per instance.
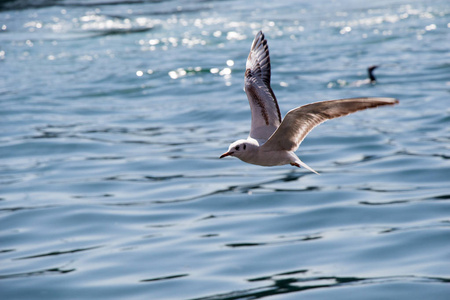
(273, 141)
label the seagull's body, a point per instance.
(273, 141)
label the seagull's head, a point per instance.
(239, 149)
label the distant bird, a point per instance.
(370, 72)
(370, 80)
(272, 141)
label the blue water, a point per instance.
(113, 116)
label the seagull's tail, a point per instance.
(306, 166)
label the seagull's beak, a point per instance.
(226, 154)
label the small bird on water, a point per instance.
(370, 80)
(273, 141)
(370, 70)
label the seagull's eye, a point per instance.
(245, 146)
(237, 148)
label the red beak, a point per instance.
(226, 154)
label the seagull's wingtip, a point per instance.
(386, 100)
(394, 101)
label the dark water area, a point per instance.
(113, 117)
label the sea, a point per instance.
(114, 114)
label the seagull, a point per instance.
(273, 141)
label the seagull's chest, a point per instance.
(268, 158)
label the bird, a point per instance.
(370, 73)
(272, 141)
(370, 80)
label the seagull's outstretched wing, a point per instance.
(266, 115)
(301, 120)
